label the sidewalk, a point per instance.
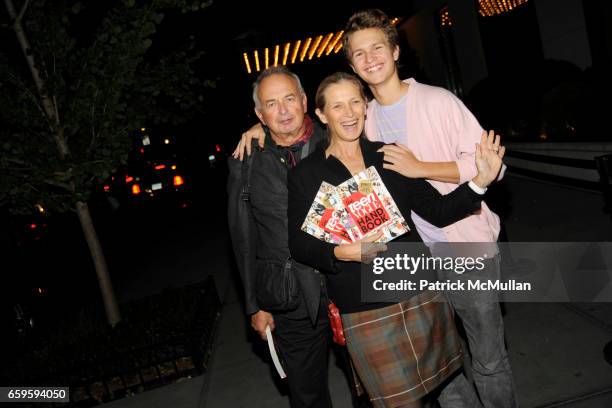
(239, 376)
(555, 349)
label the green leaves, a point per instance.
(157, 18)
(147, 28)
(104, 82)
(76, 8)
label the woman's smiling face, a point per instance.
(344, 111)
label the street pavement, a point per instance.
(555, 348)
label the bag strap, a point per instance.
(246, 177)
(305, 149)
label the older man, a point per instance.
(257, 217)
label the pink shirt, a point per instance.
(442, 129)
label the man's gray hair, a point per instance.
(272, 71)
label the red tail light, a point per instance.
(129, 179)
(160, 167)
(33, 226)
(178, 181)
(135, 189)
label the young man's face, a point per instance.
(281, 105)
(372, 58)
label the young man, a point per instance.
(435, 136)
(258, 228)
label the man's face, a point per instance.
(372, 58)
(282, 105)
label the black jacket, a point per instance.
(343, 278)
(258, 227)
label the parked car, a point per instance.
(154, 173)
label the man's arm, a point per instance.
(242, 233)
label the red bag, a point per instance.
(335, 322)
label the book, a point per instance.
(326, 219)
(275, 359)
(359, 207)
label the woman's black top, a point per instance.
(343, 278)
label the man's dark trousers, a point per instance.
(305, 349)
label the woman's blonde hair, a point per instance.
(334, 79)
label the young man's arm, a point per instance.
(461, 132)
(401, 160)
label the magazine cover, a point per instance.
(326, 219)
(370, 207)
(279, 363)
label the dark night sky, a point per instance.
(229, 28)
(238, 26)
(284, 20)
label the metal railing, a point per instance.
(604, 167)
(601, 164)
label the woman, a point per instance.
(400, 351)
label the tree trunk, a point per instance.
(45, 99)
(106, 287)
(51, 111)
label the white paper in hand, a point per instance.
(274, 355)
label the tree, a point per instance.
(84, 81)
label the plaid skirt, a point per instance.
(402, 352)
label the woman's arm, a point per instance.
(444, 210)
(311, 251)
(439, 210)
(304, 247)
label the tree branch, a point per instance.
(30, 94)
(23, 9)
(94, 161)
(57, 120)
(53, 183)
(93, 115)
(45, 99)
(17, 161)
(31, 187)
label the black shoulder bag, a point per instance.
(276, 288)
